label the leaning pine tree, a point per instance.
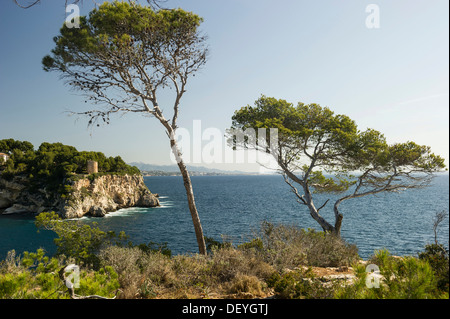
(313, 140)
(122, 56)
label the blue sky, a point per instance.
(394, 78)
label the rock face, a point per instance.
(94, 197)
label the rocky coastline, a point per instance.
(89, 195)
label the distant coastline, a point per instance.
(173, 170)
(194, 173)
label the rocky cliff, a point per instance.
(84, 196)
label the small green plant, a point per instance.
(438, 258)
(153, 247)
(401, 278)
(255, 244)
(212, 244)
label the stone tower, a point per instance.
(92, 167)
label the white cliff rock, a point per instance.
(88, 196)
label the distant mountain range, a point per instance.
(192, 169)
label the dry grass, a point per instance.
(227, 271)
(152, 275)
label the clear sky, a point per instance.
(394, 78)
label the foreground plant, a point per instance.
(36, 276)
(77, 240)
(399, 278)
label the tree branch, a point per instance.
(300, 199)
(318, 209)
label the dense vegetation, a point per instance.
(52, 163)
(278, 261)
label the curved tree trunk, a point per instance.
(190, 196)
(314, 212)
(326, 226)
(307, 200)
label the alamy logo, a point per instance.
(373, 19)
(373, 276)
(73, 19)
(211, 145)
(73, 279)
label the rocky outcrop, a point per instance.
(86, 196)
(106, 194)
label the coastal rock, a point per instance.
(97, 211)
(5, 202)
(10, 191)
(16, 209)
(87, 196)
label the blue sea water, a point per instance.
(235, 206)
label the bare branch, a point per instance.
(318, 209)
(301, 198)
(153, 3)
(437, 219)
(29, 5)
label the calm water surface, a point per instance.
(236, 205)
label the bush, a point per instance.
(402, 278)
(437, 256)
(227, 263)
(36, 276)
(289, 247)
(139, 272)
(245, 286)
(125, 262)
(81, 242)
(300, 284)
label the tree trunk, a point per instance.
(190, 197)
(327, 227)
(193, 209)
(338, 219)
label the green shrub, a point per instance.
(139, 272)
(79, 241)
(438, 258)
(103, 282)
(153, 247)
(300, 284)
(211, 244)
(36, 276)
(289, 246)
(402, 278)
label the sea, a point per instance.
(232, 208)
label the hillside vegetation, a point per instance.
(52, 163)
